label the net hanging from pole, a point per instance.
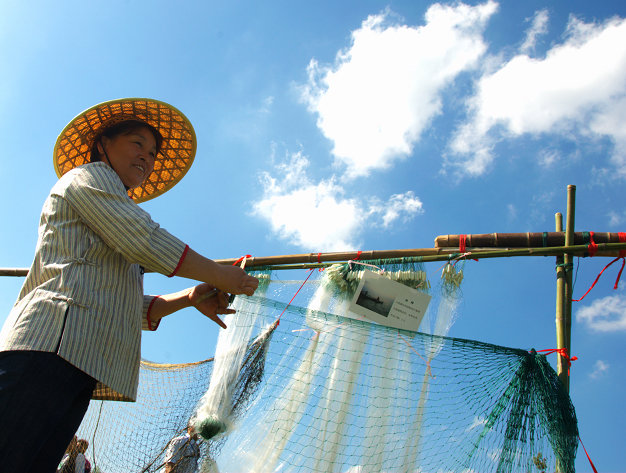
(321, 392)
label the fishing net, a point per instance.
(321, 392)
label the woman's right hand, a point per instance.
(230, 279)
(234, 280)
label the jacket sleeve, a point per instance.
(97, 194)
(146, 322)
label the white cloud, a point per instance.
(318, 216)
(538, 27)
(578, 88)
(600, 368)
(609, 120)
(402, 206)
(381, 93)
(266, 105)
(604, 315)
(511, 211)
(616, 218)
(548, 157)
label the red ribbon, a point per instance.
(588, 457)
(294, 296)
(593, 246)
(563, 353)
(241, 259)
(619, 275)
(319, 261)
(462, 245)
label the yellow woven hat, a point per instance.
(177, 152)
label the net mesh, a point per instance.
(338, 394)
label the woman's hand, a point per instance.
(210, 301)
(235, 280)
(231, 279)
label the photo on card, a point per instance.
(372, 298)
(384, 301)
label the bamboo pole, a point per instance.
(523, 240)
(316, 260)
(560, 299)
(13, 271)
(568, 291)
(313, 260)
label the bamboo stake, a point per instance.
(560, 298)
(568, 292)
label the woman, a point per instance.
(74, 333)
(82, 465)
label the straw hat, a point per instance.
(73, 145)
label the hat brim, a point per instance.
(73, 146)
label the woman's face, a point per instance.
(131, 155)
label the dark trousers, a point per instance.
(43, 400)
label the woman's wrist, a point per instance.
(169, 303)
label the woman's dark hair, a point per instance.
(123, 128)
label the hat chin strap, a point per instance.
(108, 161)
(106, 156)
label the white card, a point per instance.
(386, 302)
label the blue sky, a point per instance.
(328, 125)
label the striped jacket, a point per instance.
(83, 296)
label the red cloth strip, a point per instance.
(622, 239)
(593, 246)
(588, 457)
(619, 275)
(563, 353)
(241, 259)
(462, 245)
(319, 261)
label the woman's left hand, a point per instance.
(210, 301)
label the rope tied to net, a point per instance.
(428, 368)
(379, 269)
(294, 296)
(560, 351)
